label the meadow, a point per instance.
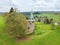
(43, 35)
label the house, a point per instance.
(31, 25)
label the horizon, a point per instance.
(28, 5)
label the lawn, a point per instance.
(43, 35)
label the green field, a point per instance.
(54, 16)
(43, 34)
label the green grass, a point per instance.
(43, 35)
(41, 28)
(55, 17)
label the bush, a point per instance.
(16, 24)
(55, 27)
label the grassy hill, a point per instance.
(49, 15)
(43, 34)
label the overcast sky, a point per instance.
(28, 5)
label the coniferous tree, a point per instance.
(11, 10)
